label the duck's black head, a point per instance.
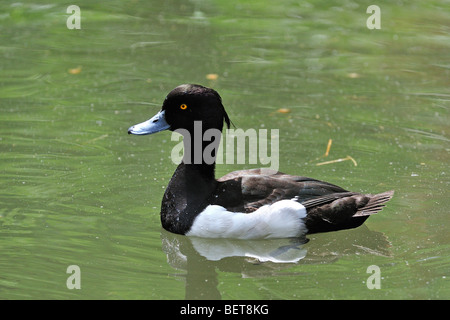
(183, 106)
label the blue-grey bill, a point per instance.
(156, 124)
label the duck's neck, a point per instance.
(189, 189)
(200, 149)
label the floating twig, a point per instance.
(330, 141)
(338, 160)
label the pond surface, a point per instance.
(76, 189)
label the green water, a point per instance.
(75, 189)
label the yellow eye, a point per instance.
(183, 107)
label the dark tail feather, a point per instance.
(375, 204)
(343, 211)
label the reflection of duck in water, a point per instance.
(202, 258)
(274, 251)
(248, 204)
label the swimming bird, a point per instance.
(245, 204)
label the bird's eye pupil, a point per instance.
(183, 107)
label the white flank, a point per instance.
(283, 219)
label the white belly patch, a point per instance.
(283, 219)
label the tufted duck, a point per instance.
(246, 204)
